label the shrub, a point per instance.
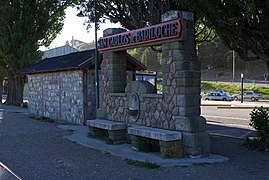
(42, 119)
(143, 164)
(147, 145)
(260, 122)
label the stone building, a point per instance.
(63, 87)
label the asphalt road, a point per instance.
(229, 122)
(235, 117)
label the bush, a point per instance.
(143, 164)
(260, 122)
(42, 119)
(147, 145)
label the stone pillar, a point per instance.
(116, 74)
(182, 73)
(113, 73)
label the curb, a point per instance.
(226, 105)
(239, 107)
(9, 171)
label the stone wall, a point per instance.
(116, 108)
(59, 95)
(91, 95)
(160, 112)
(113, 81)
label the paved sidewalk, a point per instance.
(38, 150)
(125, 151)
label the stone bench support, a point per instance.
(170, 142)
(115, 131)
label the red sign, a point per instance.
(147, 35)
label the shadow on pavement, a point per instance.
(228, 131)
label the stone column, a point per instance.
(116, 74)
(113, 73)
(182, 73)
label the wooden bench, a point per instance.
(114, 131)
(170, 142)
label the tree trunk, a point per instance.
(267, 66)
(15, 90)
(267, 71)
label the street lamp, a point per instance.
(96, 59)
(242, 88)
(233, 65)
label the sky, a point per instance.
(73, 26)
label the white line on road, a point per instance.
(225, 117)
(230, 125)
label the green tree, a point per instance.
(134, 14)
(24, 26)
(147, 56)
(214, 53)
(243, 26)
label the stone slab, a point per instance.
(106, 124)
(155, 133)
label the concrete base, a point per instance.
(169, 142)
(196, 143)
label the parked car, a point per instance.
(217, 96)
(222, 92)
(247, 95)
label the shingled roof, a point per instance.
(70, 61)
(73, 61)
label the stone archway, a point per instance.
(178, 107)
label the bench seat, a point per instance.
(106, 124)
(114, 132)
(155, 133)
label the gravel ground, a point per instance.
(37, 150)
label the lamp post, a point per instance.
(96, 59)
(96, 63)
(233, 65)
(242, 88)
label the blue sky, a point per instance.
(73, 26)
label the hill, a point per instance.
(253, 72)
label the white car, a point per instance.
(247, 95)
(217, 96)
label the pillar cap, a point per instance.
(112, 31)
(171, 15)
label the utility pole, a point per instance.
(96, 58)
(242, 87)
(233, 65)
